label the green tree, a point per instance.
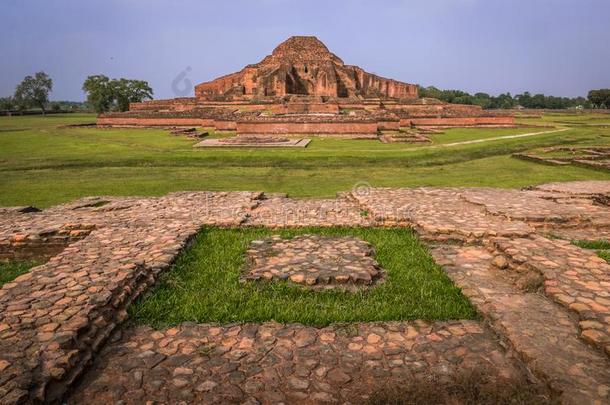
(7, 103)
(429, 91)
(99, 93)
(600, 98)
(482, 99)
(130, 91)
(104, 94)
(524, 100)
(33, 91)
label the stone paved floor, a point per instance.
(104, 252)
(313, 261)
(545, 335)
(437, 214)
(573, 277)
(272, 363)
(277, 211)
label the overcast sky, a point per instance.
(558, 47)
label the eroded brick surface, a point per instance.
(313, 261)
(437, 214)
(544, 334)
(271, 363)
(589, 187)
(539, 209)
(573, 277)
(278, 211)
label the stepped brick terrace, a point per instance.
(544, 302)
(304, 89)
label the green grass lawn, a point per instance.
(43, 164)
(203, 285)
(9, 270)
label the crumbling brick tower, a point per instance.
(304, 66)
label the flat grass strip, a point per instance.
(203, 285)
(593, 244)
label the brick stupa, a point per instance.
(305, 66)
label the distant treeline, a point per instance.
(69, 106)
(595, 99)
(8, 104)
(103, 94)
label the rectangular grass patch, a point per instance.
(203, 285)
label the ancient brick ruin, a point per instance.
(303, 88)
(544, 303)
(303, 65)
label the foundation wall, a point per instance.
(460, 122)
(225, 125)
(431, 110)
(175, 104)
(305, 108)
(323, 128)
(388, 125)
(154, 122)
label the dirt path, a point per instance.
(497, 138)
(447, 145)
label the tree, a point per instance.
(104, 94)
(482, 99)
(99, 93)
(7, 103)
(130, 91)
(600, 98)
(429, 91)
(503, 101)
(34, 91)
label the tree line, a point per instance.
(595, 99)
(103, 94)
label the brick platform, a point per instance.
(314, 261)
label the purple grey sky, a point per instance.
(558, 47)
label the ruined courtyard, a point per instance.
(543, 303)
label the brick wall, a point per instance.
(500, 121)
(317, 128)
(305, 108)
(154, 122)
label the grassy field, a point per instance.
(43, 164)
(203, 285)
